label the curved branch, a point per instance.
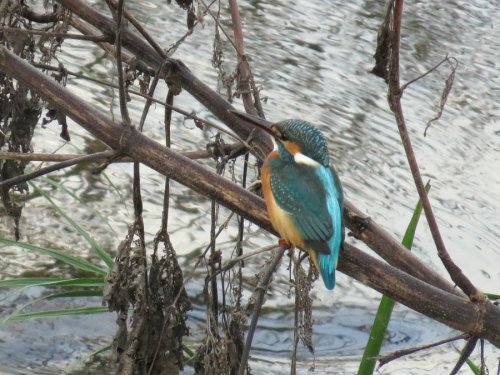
(394, 96)
(389, 248)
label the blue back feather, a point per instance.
(312, 195)
(328, 262)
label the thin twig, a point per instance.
(246, 84)
(242, 86)
(119, 64)
(163, 232)
(261, 290)
(465, 354)
(483, 364)
(91, 38)
(207, 9)
(186, 114)
(434, 68)
(201, 257)
(55, 167)
(149, 101)
(233, 261)
(395, 104)
(383, 360)
(210, 152)
(140, 29)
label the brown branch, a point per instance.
(119, 63)
(453, 310)
(260, 142)
(56, 167)
(450, 309)
(244, 73)
(385, 359)
(212, 151)
(199, 90)
(86, 29)
(394, 97)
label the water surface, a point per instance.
(312, 61)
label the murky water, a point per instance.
(312, 61)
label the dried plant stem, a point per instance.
(261, 290)
(465, 354)
(112, 156)
(56, 167)
(90, 38)
(119, 63)
(139, 28)
(383, 360)
(395, 93)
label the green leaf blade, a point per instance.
(386, 305)
(57, 254)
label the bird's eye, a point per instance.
(278, 134)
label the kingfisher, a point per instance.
(303, 193)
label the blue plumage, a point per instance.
(306, 193)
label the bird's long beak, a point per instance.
(254, 120)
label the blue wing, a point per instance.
(313, 197)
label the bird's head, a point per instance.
(293, 137)
(298, 136)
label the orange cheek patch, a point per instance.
(292, 148)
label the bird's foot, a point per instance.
(284, 243)
(254, 186)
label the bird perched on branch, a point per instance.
(303, 193)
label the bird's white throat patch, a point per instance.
(300, 158)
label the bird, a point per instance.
(303, 192)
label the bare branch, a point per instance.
(394, 96)
(385, 359)
(55, 167)
(450, 309)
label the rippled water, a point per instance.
(312, 61)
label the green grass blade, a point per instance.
(79, 364)
(67, 294)
(383, 315)
(476, 370)
(59, 255)
(103, 255)
(492, 296)
(76, 294)
(52, 281)
(57, 313)
(60, 187)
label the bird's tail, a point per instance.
(327, 263)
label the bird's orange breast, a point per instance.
(280, 219)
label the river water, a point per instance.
(312, 61)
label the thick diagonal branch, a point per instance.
(481, 320)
